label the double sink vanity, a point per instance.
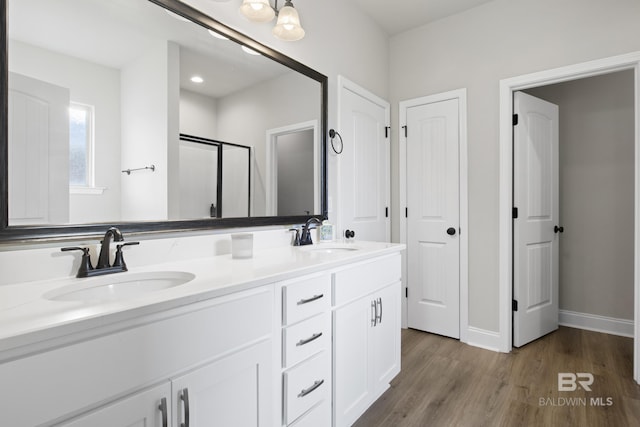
(300, 336)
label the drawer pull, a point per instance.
(163, 409)
(313, 298)
(374, 313)
(379, 316)
(308, 340)
(315, 385)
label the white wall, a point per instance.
(476, 49)
(148, 132)
(596, 193)
(198, 114)
(91, 84)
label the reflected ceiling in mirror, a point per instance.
(100, 87)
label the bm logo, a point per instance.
(568, 381)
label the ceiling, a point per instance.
(116, 32)
(397, 16)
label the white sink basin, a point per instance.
(118, 286)
(325, 248)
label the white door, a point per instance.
(38, 152)
(535, 236)
(364, 177)
(433, 217)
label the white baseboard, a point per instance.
(592, 322)
(482, 338)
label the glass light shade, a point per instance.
(288, 26)
(257, 10)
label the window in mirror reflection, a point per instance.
(80, 145)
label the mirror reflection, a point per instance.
(100, 87)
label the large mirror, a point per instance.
(152, 116)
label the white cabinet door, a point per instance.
(233, 391)
(149, 408)
(385, 350)
(366, 344)
(352, 374)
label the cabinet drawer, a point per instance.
(305, 298)
(306, 385)
(354, 282)
(320, 416)
(306, 338)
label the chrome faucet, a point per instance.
(305, 238)
(103, 258)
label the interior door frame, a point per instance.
(271, 172)
(466, 334)
(505, 235)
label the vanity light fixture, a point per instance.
(197, 79)
(288, 24)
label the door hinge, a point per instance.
(514, 213)
(406, 292)
(514, 305)
(386, 212)
(515, 119)
(387, 130)
(405, 130)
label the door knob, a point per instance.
(557, 229)
(451, 231)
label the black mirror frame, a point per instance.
(32, 234)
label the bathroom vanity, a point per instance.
(300, 336)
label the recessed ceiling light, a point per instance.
(217, 35)
(197, 79)
(249, 51)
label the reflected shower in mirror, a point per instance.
(97, 87)
(215, 178)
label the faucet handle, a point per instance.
(296, 239)
(85, 263)
(119, 260)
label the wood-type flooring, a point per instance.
(446, 383)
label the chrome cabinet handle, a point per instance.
(315, 385)
(313, 298)
(308, 340)
(379, 303)
(163, 408)
(374, 313)
(184, 396)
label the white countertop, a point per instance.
(28, 319)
